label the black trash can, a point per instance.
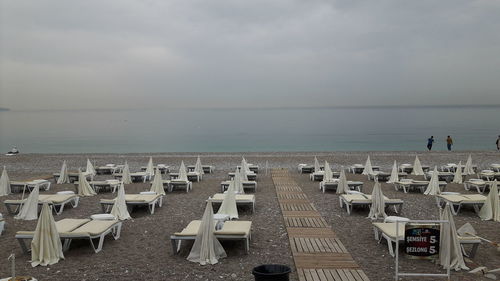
(271, 272)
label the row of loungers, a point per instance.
(70, 229)
(231, 230)
(56, 200)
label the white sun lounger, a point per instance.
(73, 176)
(457, 201)
(164, 169)
(442, 176)
(409, 185)
(178, 184)
(387, 230)
(353, 185)
(252, 185)
(478, 184)
(358, 168)
(250, 176)
(70, 229)
(102, 186)
(305, 168)
(489, 175)
(191, 176)
(136, 177)
(56, 200)
(132, 200)
(207, 169)
(20, 186)
(241, 200)
(361, 199)
(231, 230)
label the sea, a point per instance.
(249, 130)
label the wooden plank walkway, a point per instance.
(317, 252)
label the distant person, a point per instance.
(498, 143)
(449, 143)
(430, 141)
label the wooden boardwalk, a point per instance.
(317, 252)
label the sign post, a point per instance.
(421, 241)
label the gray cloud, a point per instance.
(124, 53)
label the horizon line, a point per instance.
(262, 108)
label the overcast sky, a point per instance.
(241, 53)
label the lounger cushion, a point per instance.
(464, 198)
(235, 228)
(238, 197)
(94, 227)
(389, 229)
(141, 197)
(191, 229)
(56, 198)
(62, 226)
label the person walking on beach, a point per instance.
(498, 143)
(449, 143)
(430, 141)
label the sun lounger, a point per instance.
(20, 186)
(56, 200)
(136, 177)
(164, 169)
(109, 169)
(73, 176)
(478, 184)
(442, 176)
(353, 185)
(207, 169)
(305, 168)
(102, 186)
(251, 167)
(132, 200)
(358, 168)
(241, 200)
(178, 184)
(252, 185)
(231, 230)
(191, 176)
(387, 230)
(489, 175)
(457, 201)
(408, 168)
(360, 199)
(495, 167)
(250, 176)
(70, 229)
(383, 176)
(408, 185)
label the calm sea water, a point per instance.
(339, 129)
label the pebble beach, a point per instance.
(144, 250)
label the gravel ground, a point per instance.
(143, 250)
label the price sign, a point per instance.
(422, 240)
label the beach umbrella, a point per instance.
(417, 167)
(328, 173)
(119, 209)
(468, 169)
(368, 170)
(90, 168)
(63, 175)
(206, 248)
(449, 243)
(150, 170)
(84, 188)
(182, 172)
(394, 173)
(316, 165)
(228, 206)
(457, 178)
(238, 183)
(491, 207)
(46, 247)
(4, 183)
(198, 167)
(242, 173)
(126, 178)
(157, 185)
(377, 209)
(29, 209)
(342, 186)
(433, 186)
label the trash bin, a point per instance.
(271, 272)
